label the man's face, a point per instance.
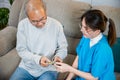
(38, 18)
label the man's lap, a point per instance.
(21, 74)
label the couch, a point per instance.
(68, 13)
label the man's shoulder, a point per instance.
(24, 20)
(23, 23)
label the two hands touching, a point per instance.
(57, 62)
(45, 61)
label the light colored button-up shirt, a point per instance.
(33, 43)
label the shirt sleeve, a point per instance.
(21, 46)
(61, 50)
(100, 61)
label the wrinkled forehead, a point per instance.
(37, 14)
(35, 6)
(35, 10)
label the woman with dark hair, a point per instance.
(94, 59)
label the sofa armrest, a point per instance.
(8, 64)
(7, 39)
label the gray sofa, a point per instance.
(66, 11)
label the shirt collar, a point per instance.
(95, 40)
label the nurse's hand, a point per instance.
(62, 67)
(44, 61)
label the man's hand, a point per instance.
(44, 61)
(57, 59)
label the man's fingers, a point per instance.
(57, 59)
(45, 61)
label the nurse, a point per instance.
(94, 59)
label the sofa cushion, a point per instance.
(14, 13)
(113, 13)
(22, 14)
(116, 54)
(117, 75)
(67, 12)
(7, 39)
(72, 44)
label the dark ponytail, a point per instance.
(112, 32)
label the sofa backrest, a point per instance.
(15, 12)
(68, 13)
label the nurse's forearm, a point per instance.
(82, 74)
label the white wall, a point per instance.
(114, 3)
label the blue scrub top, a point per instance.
(97, 60)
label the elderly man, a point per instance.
(40, 43)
